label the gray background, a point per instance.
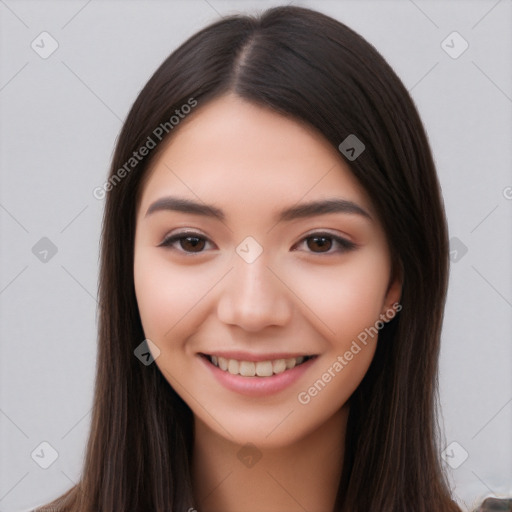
(60, 119)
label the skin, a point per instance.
(252, 162)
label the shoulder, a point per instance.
(495, 505)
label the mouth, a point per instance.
(262, 369)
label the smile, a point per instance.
(256, 368)
(257, 375)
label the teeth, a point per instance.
(223, 363)
(279, 366)
(233, 366)
(260, 368)
(264, 369)
(290, 363)
(247, 369)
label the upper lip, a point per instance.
(247, 356)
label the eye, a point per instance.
(324, 242)
(318, 243)
(189, 242)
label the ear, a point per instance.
(394, 290)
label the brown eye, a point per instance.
(326, 243)
(185, 243)
(322, 243)
(192, 244)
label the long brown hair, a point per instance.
(308, 66)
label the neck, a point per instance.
(302, 476)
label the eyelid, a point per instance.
(186, 232)
(327, 232)
(345, 243)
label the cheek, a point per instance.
(344, 298)
(167, 296)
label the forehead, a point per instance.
(230, 150)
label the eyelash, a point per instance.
(345, 245)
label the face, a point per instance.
(261, 273)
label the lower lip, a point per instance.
(258, 386)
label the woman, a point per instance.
(273, 278)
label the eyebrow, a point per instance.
(302, 210)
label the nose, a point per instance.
(254, 297)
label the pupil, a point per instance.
(192, 242)
(322, 242)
